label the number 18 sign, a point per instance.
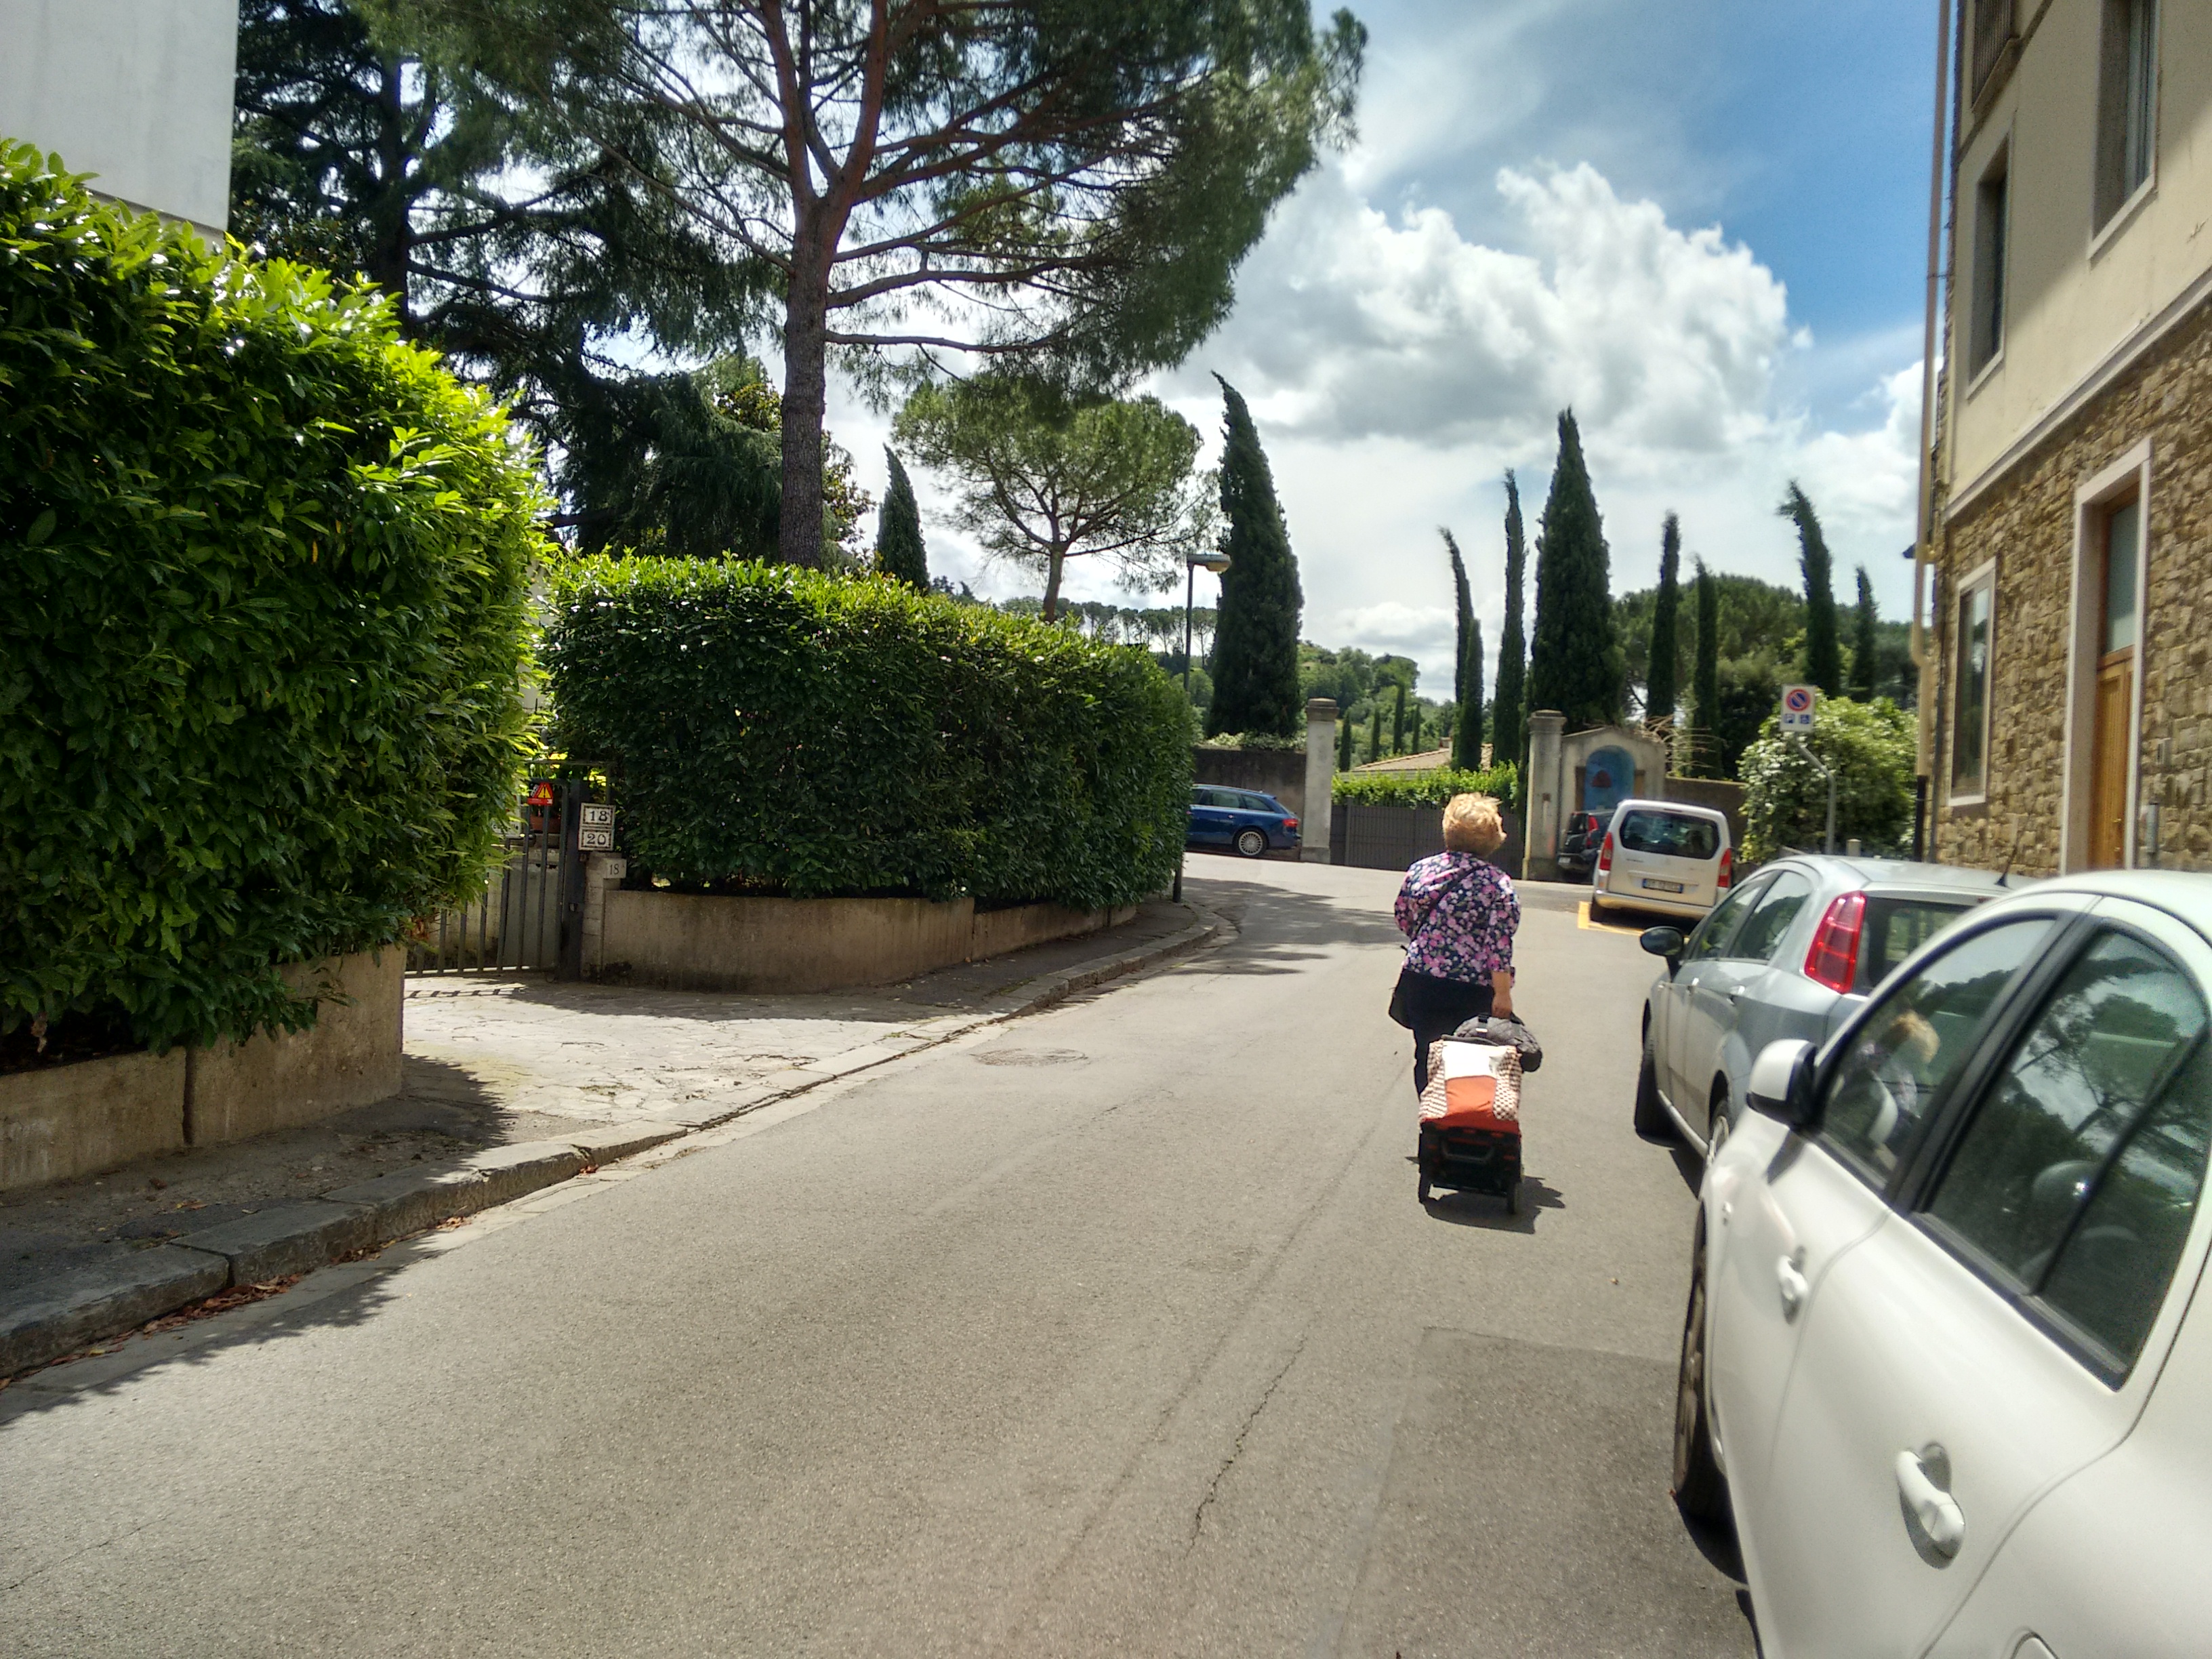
(1797, 702)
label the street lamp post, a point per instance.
(1215, 560)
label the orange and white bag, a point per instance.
(1472, 1085)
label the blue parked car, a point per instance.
(1244, 819)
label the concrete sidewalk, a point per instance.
(512, 1084)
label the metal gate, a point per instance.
(529, 917)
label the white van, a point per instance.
(1663, 856)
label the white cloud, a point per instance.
(1395, 368)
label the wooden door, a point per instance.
(2108, 780)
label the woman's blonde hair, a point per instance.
(1472, 824)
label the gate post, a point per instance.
(571, 909)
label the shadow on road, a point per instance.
(1294, 927)
(1488, 1211)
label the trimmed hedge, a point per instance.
(267, 576)
(1423, 788)
(786, 731)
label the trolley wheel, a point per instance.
(1424, 1189)
(1513, 1198)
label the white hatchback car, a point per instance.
(1942, 1359)
(1663, 856)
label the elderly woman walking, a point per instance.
(1459, 915)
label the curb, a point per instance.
(105, 1298)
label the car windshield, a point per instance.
(1670, 835)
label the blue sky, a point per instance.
(1704, 225)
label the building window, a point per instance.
(1986, 321)
(2127, 103)
(1970, 702)
(1993, 32)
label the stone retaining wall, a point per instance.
(700, 942)
(76, 1120)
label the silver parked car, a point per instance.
(1792, 953)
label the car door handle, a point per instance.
(1934, 1508)
(1789, 1278)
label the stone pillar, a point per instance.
(601, 871)
(1321, 777)
(1541, 791)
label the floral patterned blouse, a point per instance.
(1469, 936)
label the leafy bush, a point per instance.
(773, 729)
(1250, 740)
(266, 572)
(1871, 748)
(1424, 788)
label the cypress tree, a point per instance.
(1345, 740)
(1574, 658)
(1706, 674)
(1419, 722)
(1467, 736)
(1864, 649)
(1255, 641)
(899, 550)
(1509, 714)
(1659, 689)
(1466, 747)
(1375, 732)
(1398, 724)
(1823, 655)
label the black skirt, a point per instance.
(1438, 1007)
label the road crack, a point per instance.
(1237, 1446)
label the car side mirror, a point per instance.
(1666, 942)
(1782, 1083)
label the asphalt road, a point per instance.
(1114, 1330)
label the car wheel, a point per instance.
(1651, 1120)
(1596, 905)
(1700, 1488)
(1252, 843)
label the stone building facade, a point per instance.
(2068, 701)
(2159, 417)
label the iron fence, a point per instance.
(525, 918)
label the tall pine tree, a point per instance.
(1466, 736)
(899, 552)
(1706, 674)
(1660, 692)
(1256, 641)
(1375, 732)
(1575, 663)
(1510, 714)
(1345, 738)
(1823, 655)
(1467, 746)
(1398, 724)
(1864, 648)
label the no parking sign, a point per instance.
(1797, 704)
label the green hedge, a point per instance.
(266, 574)
(1422, 789)
(783, 731)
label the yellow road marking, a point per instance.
(1583, 919)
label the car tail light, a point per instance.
(1290, 824)
(1728, 868)
(1834, 961)
(1605, 855)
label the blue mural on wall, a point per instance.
(1609, 779)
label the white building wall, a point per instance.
(136, 91)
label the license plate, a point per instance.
(1663, 886)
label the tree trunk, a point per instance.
(393, 233)
(806, 396)
(1053, 561)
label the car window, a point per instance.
(1670, 835)
(2078, 1176)
(1720, 923)
(1211, 797)
(1895, 928)
(1256, 803)
(1761, 935)
(1912, 1042)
